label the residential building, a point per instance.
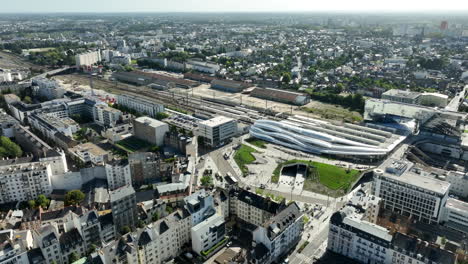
(7, 124)
(217, 130)
(200, 206)
(253, 208)
(208, 233)
(118, 174)
(48, 88)
(150, 130)
(202, 66)
(24, 181)
(89, 152)
(15, 245)
(90, 229)
(124, 208)
(88, 58)
(277, 236)
(106, 116)
(140, 105)
(145, 167)
(403, 189)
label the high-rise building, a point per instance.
(217, 130)
(444, 25)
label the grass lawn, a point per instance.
(256, 142)
(132, 144)
(243, 157)
(328, 111)
(330, 176)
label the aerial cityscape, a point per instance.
(175, 135)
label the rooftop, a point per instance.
(216, 121)
(150, 121)
(121, 193)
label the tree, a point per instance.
(27, 100)
(286, 77)
(32, 204)
(42, 201)
(8, 148)
(140, 224)
(206, 181)
(74, 197)
(73, 257)
(125, 230)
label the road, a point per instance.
(314, 248)
(457, 100)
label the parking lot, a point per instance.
(186, 122)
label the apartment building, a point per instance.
(15, 246)
(118, 174)
(124, 208)
(217, 130)
(455, 215)
(351, 234)
(89, 152)
(200, 206)
(406, 190)
(253, 208)
(277, 236)
(24, 181)
(88, 58)
(106, 116)
(48, 88)
(207, 234)
(140, 105)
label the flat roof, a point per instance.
(216, 121)
(457, 204)
(150, 121)
(413, 176)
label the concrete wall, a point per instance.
(67, 181)
(88, 174)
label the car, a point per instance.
(229, 244)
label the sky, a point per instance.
(39, 6)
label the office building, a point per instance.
(409, 191)
(124, 208)
(455, 215)
(217, 131)
(150, 130)
(89, 152)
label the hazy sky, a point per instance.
(230, 5)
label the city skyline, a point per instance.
(55, 6)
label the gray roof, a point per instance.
(121, 193)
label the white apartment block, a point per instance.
(140, 105)
(208, 233)
(408, 191)
(88, 59)
(199, 205)
(48, 125)
(278, 235)
(23, 182)
(106, 116)
(217, 130)
(15, 247)
(118, 174)
(48, 88)
(358, 239)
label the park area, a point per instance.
(244, 157)
(323, 178)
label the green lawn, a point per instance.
(256, 142)
(243, 157)
(330, 176)
(132, 144)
